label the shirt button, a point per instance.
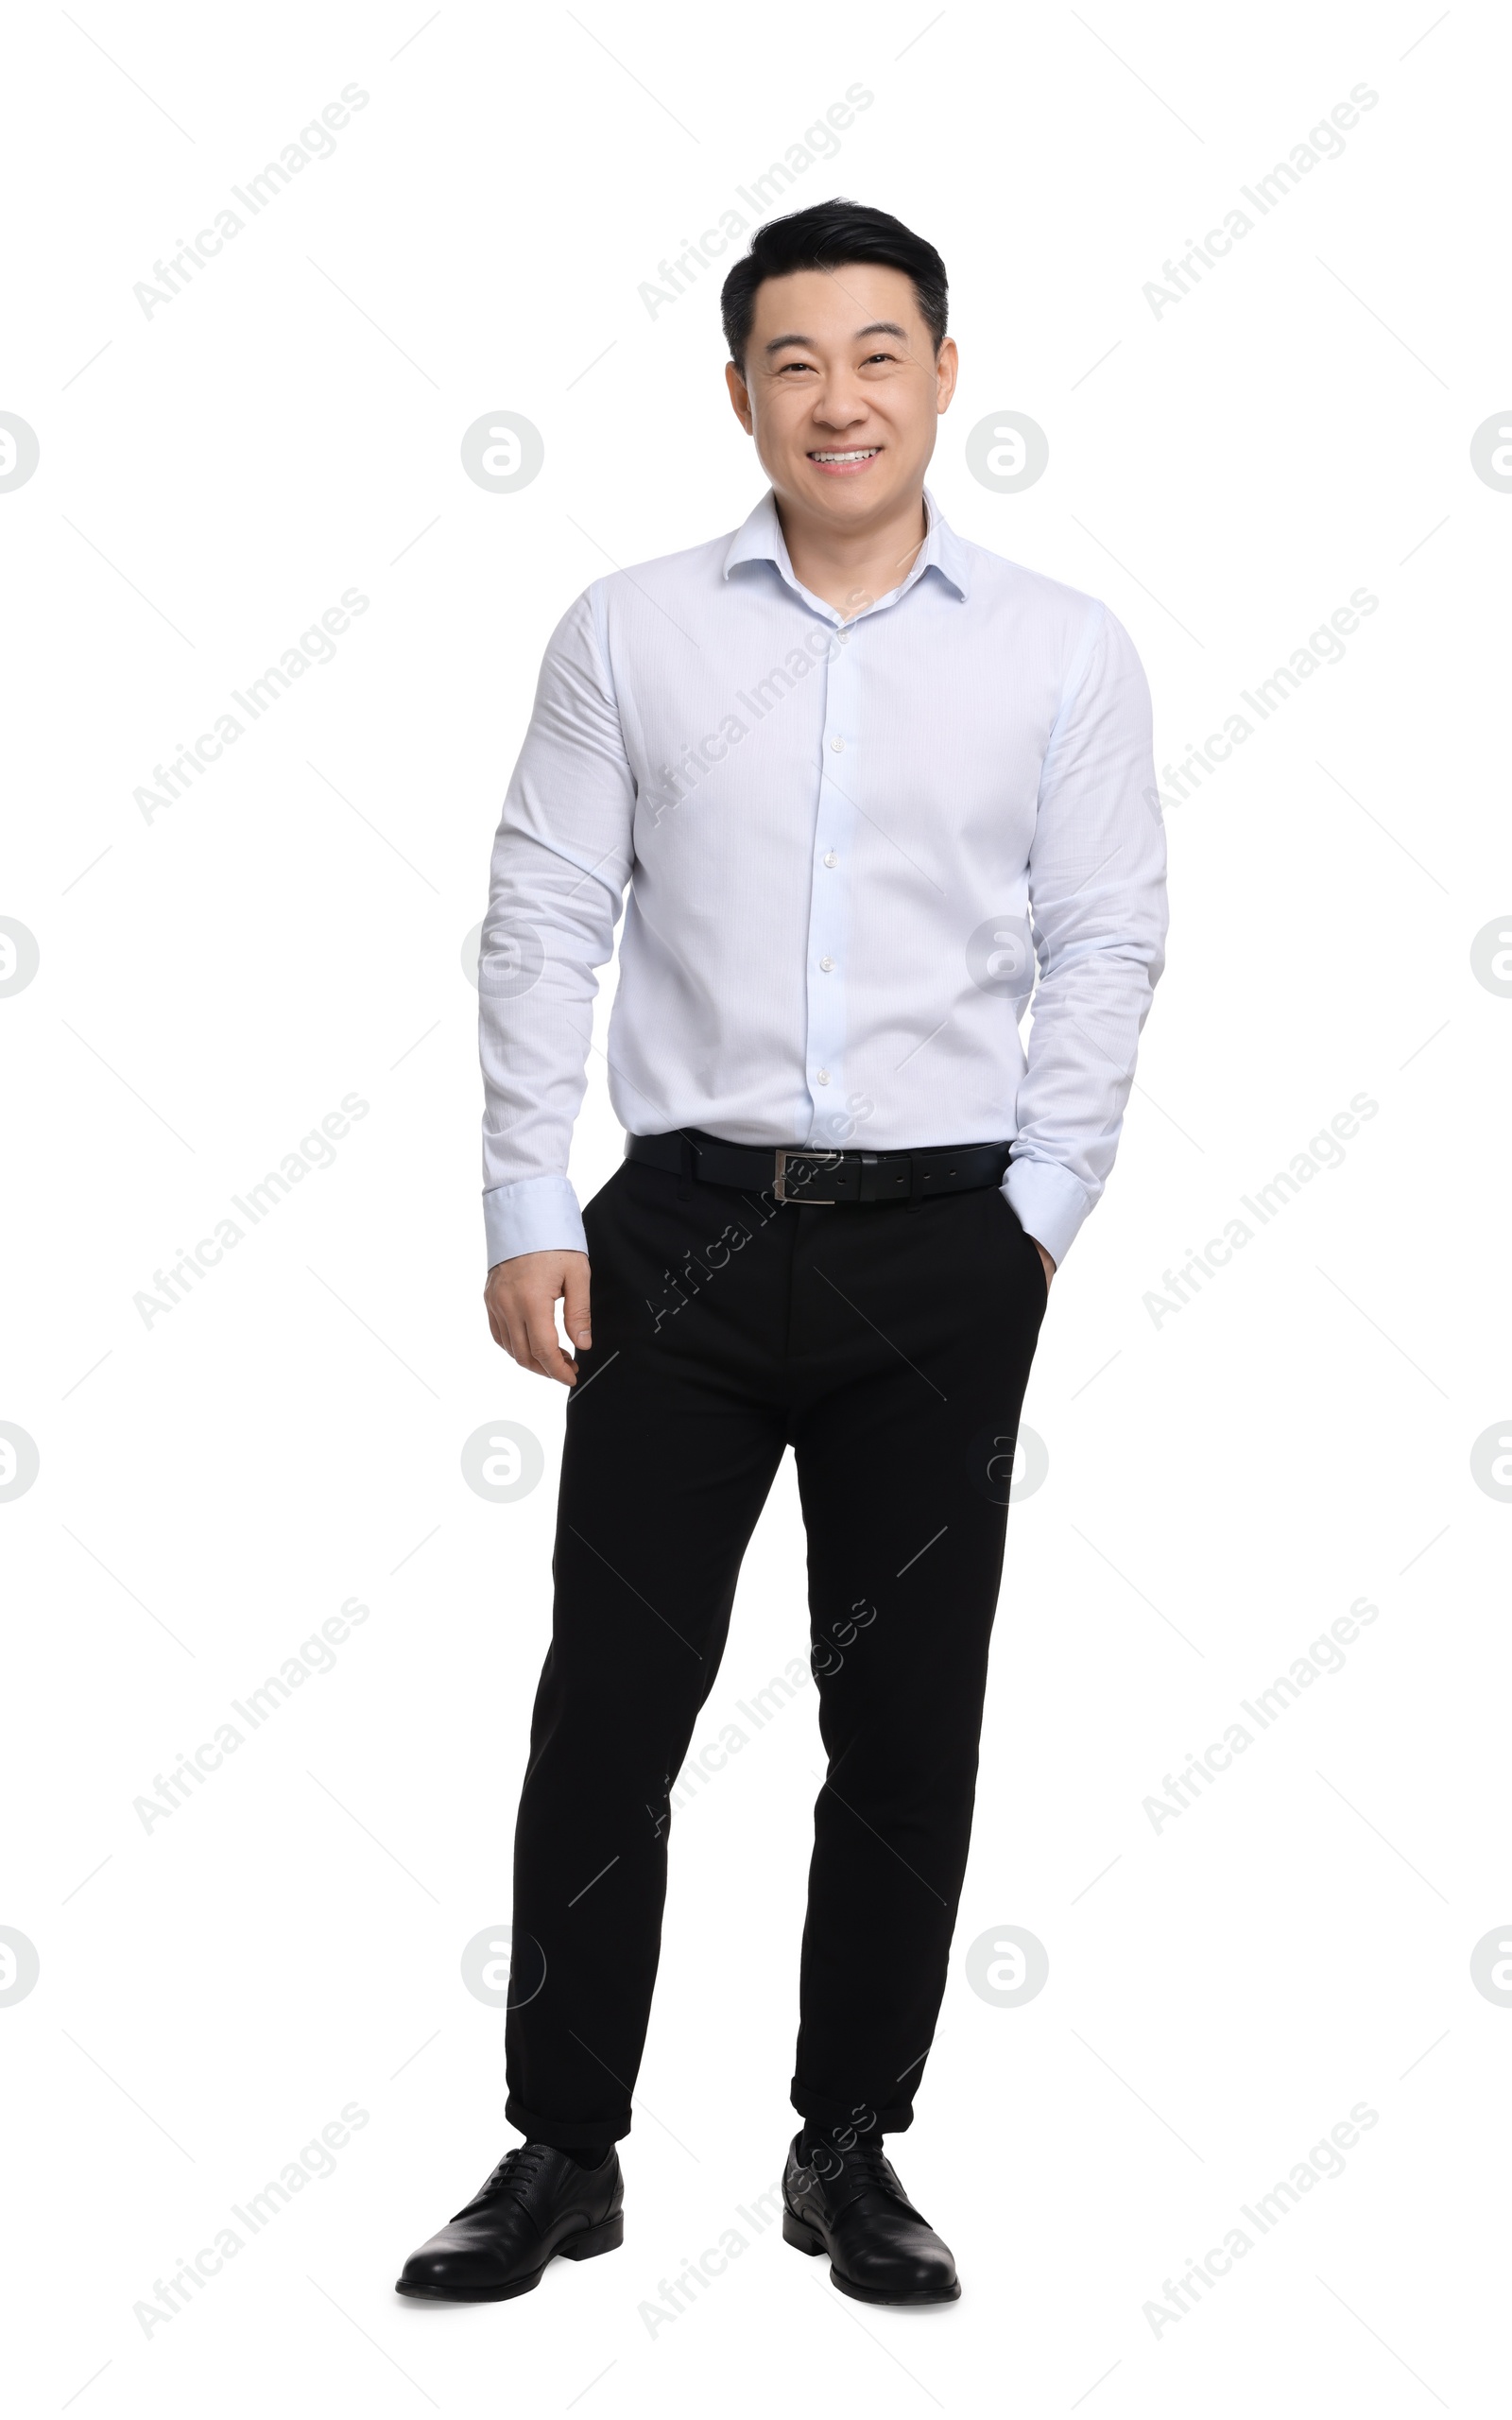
(830, 857)
(826, 966)
(822, 1076)
(837, 742)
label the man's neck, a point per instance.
(852, 568)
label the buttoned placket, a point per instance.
(832, 859)
(829, 893)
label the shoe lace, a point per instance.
(864, 2159)
(515, 2173)
(867, 2155)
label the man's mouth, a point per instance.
(850, 457)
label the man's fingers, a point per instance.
(522, 1297)
(575, 1302)
(545, 1353)
(524, 1341)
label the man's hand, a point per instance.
(522, 1296)
(1049, 1264)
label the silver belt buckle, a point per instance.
(802, 1200)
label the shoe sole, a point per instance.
(804, 2238)
(586, 2245)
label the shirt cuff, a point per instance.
(537, 1214)
(1050, 1203)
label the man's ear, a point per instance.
(740, 397)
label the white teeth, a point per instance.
(860, 454)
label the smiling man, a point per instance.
(856, 783)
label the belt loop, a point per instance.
(684, 1169)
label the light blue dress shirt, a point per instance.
(853, 851)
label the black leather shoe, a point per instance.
(850, 2205)
(536, 2203)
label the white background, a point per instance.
(1222, 1485)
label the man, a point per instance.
(860, 776)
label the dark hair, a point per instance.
(826, 235)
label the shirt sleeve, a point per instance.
(561, 858)
(1098, 905)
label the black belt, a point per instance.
(820, 1180)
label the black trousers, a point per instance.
(889, 1345)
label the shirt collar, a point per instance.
(759, 539)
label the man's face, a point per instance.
(842, 390)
